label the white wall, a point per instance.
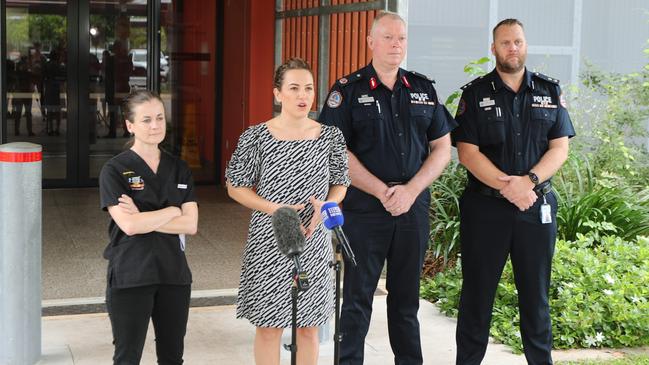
(445, 35)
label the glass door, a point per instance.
(36, 74)
(118, 62)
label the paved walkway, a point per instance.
(216, 337)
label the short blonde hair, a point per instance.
(386, 14)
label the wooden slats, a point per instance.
(348, 49)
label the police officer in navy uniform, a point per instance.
(398, 142)
(150, 197)
(512, 137)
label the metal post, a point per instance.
(324, 26)
(20, 253)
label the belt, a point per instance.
(542, 189)
(394, 183)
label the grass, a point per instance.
(630, 360)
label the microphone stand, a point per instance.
(337, 266)
(300, 283)
(293, 346)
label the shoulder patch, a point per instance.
(335, 99)
(349, 79)
(422, 76)
(472, 82)
(546, 78)
(461, 107)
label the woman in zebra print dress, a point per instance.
(292, 161)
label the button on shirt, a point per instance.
(387, 130)
(512, 129)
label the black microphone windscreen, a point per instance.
(287, 232)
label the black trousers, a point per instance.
(491, 229)
(130, 310)
(376, 237)
(20, 104)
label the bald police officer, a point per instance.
(398, 143)
(512, 137)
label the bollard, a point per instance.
(20, 253)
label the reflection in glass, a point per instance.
(118, 64)
(36, 68)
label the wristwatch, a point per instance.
(533, 177)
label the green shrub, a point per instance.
(599, 295)
(445, 211)
(605, 210)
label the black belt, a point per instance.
(395, 183)
(542, 189)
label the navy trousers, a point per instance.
(491, 230)
(378, 238)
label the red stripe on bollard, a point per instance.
(20, 156)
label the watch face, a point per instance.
(534, 178)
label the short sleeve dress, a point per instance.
(286, 172)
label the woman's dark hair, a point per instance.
(135, 98)
(290, 64)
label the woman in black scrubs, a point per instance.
(150, 197)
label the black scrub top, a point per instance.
(150, 258)
(387, 130)
(512, 129)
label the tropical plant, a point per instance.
(599, 295)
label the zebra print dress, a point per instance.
(286, 172)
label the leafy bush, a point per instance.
(445, 211)
(599, 295)
(605, 210)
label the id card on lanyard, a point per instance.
(546, 212)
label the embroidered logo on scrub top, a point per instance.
(182, 186)
(136, 183)
(539, 101)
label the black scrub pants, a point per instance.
(376, 237)
(130, 310)
(491, 229)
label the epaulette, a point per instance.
(546, 78)
(473, 82)
(415, 73)
(351, 78)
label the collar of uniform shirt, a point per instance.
(497, 83)
(371, 72)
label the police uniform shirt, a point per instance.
(151, 258)
(387, 130)
(511, 129)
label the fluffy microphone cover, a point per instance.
(286, 228)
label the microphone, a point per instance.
(290, 241)
(333, 219)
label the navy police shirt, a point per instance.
(150, 258)
(511, 129)
(387, 130)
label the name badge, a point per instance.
(182, 186)
(487, 102)
(365, 99)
